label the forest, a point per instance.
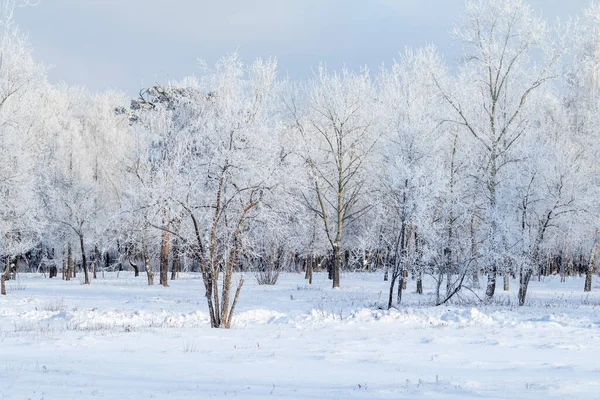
(475, 174)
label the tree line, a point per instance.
(420, 168)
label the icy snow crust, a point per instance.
(120, 338)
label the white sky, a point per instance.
(130, 44)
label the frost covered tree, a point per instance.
(162, 117)
(80, 184)
(21, 78)
(336, 124)
(581, 100)
(491, 101)
(214, 144)
(551, 188)
(409, 148)
(233, 155)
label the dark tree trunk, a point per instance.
(84, 261)
(438, 286)
(96, 261)
(401, 284)
(399, 259)
(306, 262)
(420, 283)
(392, 283)
(491, 284)
(14, 269)
(136, 269)
(523, 284)
(590, 271)
(309, 269)
(337, 266)
(69, 262)
(176, 267)
(164, 258)
(4, 276)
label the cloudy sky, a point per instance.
(129, 44)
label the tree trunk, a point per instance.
(235, 300)
(506, 281)
(491, 284)
(4, 276)
(523, 284)
(401, 286)
(164, 258)
(84, 261)
(306, 262)
(96, 261)
(590, 270)
(448, 283)
(494, 234)
(475, 277)
(392, 283)
(399, 261)
(14, 270)
(337, 265)
(337, 245)
(309, 269)
(69, 262)
(420, 280)
(149, 272)
(136, 269)
(176, 267)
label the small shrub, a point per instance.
(267, 276)
(268, 264)
(54, 305)
(190, 347)
(16, 285)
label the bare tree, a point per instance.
(338, 139)
(491, 101)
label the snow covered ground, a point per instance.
(121, 339)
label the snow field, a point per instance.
(119, 338)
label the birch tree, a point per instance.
(336, 125)
(410, 146)
(491, 98)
